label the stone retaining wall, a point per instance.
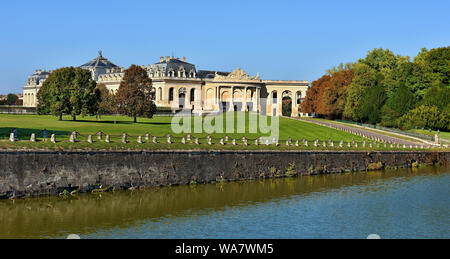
(24, 173)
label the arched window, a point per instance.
(181, 72)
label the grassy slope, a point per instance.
(369, 129)
(158, 126)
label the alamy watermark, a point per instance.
(226, 121)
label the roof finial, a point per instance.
(100, 53)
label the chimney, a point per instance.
(184, 59)
(167, 58)
(161, 59)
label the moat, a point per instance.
(404, 203)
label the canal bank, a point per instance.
(34, 173)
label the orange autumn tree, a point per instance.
(312, 102)
(135, 96)
(335, 94)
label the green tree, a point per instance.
(11, 99)
(135, 97)
(438, 95)
(438, 61)
(373, 101)
(426, 116)
(417, 77)
(400, 102)
(84, 94)
(106, 105)
(382, 60)
(339, 68)
(365, 77)
(68, 91)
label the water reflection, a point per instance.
(341, 205)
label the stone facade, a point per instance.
(34, 83)
(178, 84)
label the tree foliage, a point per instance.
(401, 101)
(11, 99)
(373, 101)
(425, 116)
(68, 91)
(339, 68)
(438, 60)
(387, 89)
(312, 102)
(135, 97)
(335, 95)
(106, 105)
(365, 77)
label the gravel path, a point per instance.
(366, 133)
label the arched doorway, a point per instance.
(182, 98)
(226, 99)
(287, 104)
(210, 98)
(237, 100)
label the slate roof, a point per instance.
(174, 61)
(175, 65)
(210, 74)
(99, 61)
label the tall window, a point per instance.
(170, 94)
(192, 95)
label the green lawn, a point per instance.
(158, 126)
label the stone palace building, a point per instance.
(178, 84)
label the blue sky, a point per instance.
(280, 39)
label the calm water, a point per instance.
(408, 203)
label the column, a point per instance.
(176, 98)
(165, 96)
(279, 103)
(218, 99)
(244, 100)
(216, 94)
(187, 99)
(294, 112)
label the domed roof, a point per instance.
(99, 61)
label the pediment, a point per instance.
(237, 75)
